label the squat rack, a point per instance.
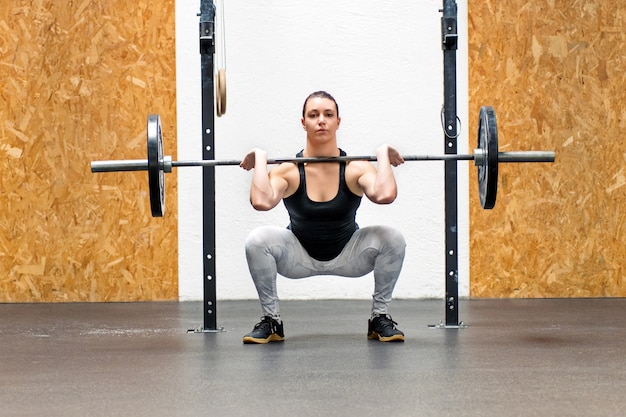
(449, 41)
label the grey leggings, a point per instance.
(272, 250)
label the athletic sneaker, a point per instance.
(383, 328)
(267, 330)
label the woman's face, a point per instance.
(320, 118)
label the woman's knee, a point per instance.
(257, 238)
(391, 236)
(265, 237)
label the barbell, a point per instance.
(486, 158)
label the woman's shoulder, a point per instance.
(359, 167)
(288, 171)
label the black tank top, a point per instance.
(323, 228)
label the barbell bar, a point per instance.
(129, 165)
(486, 158)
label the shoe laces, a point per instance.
(266, 321)
(385, 320)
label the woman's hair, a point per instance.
(320, 94)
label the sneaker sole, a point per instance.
(254, 340)
(394, 338)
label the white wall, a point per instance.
(384, 64)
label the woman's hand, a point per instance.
(386, 151)
(249, 161)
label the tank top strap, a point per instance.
(301, 168)
(342, 168)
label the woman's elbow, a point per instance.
(261, 204)
(386, 198)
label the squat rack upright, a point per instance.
(207, 63)
(449, 44)
(449, 41)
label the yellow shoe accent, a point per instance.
(254, 340)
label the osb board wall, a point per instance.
(555, 72)
(77, 81)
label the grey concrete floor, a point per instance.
(516, 358)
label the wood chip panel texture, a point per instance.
(555, 72)
(77, 81)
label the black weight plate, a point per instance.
(156, 176)
(488, 169)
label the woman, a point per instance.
(322, 237)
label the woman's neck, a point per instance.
(321, 149)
